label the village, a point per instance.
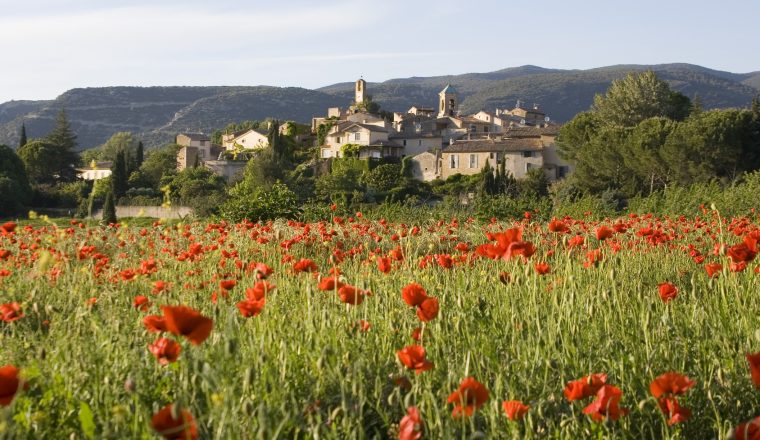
(440, 143)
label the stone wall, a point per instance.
(174, 212)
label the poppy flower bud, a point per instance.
(129, 385)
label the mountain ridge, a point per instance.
(156, 113)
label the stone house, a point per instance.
(247, 139)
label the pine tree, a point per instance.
(62, 135)
(139, 155)
(63, 139)
(22, 138)
(119, 175)
(109, 210)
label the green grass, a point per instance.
(298, 370)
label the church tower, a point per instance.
(448, 102)
(361, 87)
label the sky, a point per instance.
(50, 46)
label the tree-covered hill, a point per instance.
(156, 114)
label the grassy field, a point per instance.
(306, 363)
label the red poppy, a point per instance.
(754, 368)
(304, 265)
(227, 284)
(10, 312)
(748, 431)
(261, 269)
(362, 325)
(542, 268)
(413, 294)
(413, 357)
(351, 295)
(558, 226)
(675, 412)
(606, 404)
(470, 396)
(515, 409)
(384, 264)
(251, 306)
(259, 290)
(670, 384)
(7, 228)
(428, 310)
(668, 291)
(329, 283)
(584, 387)
(141, 302)
(182, 320)
(713, 269)
(603, 233)
(165, 350)
(417, 334)
(159, 286)
(411, 425)
(741, 253)
(180, 428)
(10, 384)
(154, 323)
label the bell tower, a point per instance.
(449, 104)
(361, 87)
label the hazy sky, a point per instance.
(50, 46)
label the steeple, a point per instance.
(448, 101)
(361, 87)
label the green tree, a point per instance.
(22, 136)
(488, 185)
(637, 97)
(277, 201)
(139, 155)
(642, 152)
(535, 185)
(109, 210)
(198, 188)
(158, 163)
(64, 140)
(41, 160)
(383, 177)
(15, 191)
(715, 144)
(119, 176)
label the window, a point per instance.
(529, 166)
(473, 161)
(419, 143)
(454, 163)
(337, 140)
(527, 154)
(357, 136)
(562, 172)
(405, 142)
(473, 128)
(485, 129)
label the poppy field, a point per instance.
(635, 327)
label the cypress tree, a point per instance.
(139, 155)
(274, 138)
(119, 175)
(109, 210)
(22, 138)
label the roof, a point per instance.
(529, 132)
(369, 127)
(490, 145)
(449, 89)
(196, 136)
(405, 135)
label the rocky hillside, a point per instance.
(156, 114)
